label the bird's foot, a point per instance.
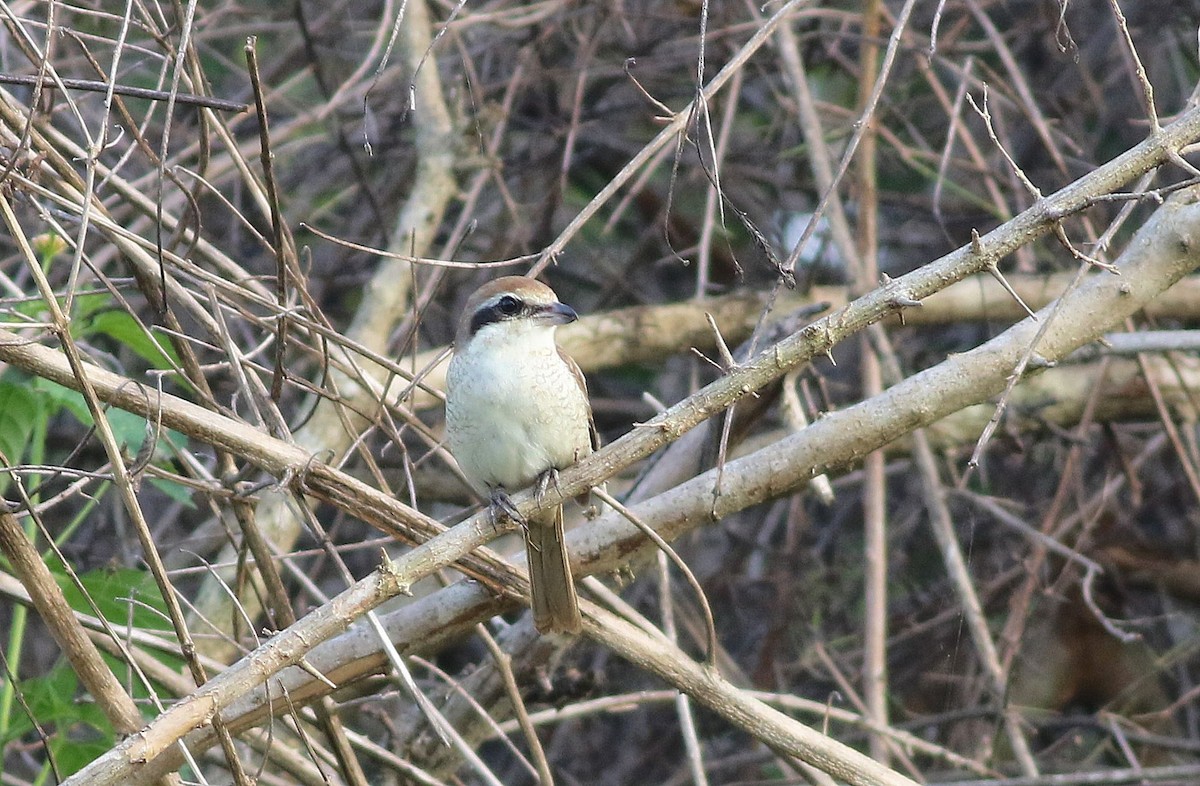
(500, 504)
(544, 481)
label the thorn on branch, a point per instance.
(1061, 234)
(995, 271)
(901, 301)
(1038, 362)
(727, 361)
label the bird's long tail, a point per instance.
(555, 604)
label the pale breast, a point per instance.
(508, 422)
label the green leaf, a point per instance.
(82, 307)
(20, 411)
(125, 330)
(53, 699)
(85, 306)
(56, 397)
(130, 430)
(79, 731)
(123, 595)
(72, 755)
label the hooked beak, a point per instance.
(557, 314)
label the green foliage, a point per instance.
(125, 330)
(21, 409)
(27, 406)
(123, 596)
(93, 315)
(130, 430)
(77, 730)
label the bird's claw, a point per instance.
(544, 482)
(500, 504)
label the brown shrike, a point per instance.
(517, 411)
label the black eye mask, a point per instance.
(506, 307)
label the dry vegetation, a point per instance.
(237, 237)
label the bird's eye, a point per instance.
(509, 306)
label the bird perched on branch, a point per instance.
(517, 411)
